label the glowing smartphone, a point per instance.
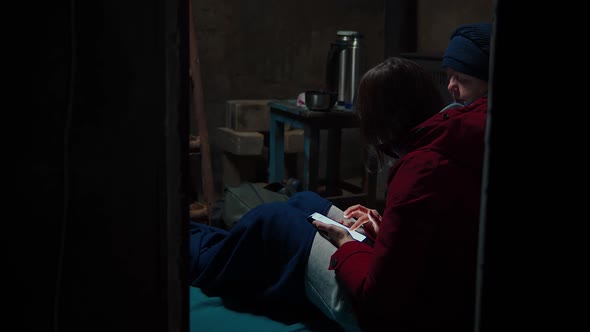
(320, 217)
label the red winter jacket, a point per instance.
(420, 274)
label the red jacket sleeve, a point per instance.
(384, 281)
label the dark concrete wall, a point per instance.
(264, 49)
(437, 19)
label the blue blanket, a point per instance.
(263, 257)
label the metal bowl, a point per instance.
(318, 100)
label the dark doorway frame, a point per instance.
(103, 242)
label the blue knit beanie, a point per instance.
(469, 50)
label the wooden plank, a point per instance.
(200, 115)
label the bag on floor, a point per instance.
(238, 200)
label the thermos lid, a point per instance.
(347, 33)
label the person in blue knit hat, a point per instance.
(466, 61)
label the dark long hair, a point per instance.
(393, 97)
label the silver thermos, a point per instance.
(344, 67)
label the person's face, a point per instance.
(464, 88)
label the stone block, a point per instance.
(247, 115)
(239, 143)
(294, 141)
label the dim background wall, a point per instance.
(268, 49)
(437, 19)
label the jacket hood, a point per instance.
(456, 133)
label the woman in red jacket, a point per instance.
(420, 273)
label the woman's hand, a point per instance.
(337, 235)
(369, 218)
